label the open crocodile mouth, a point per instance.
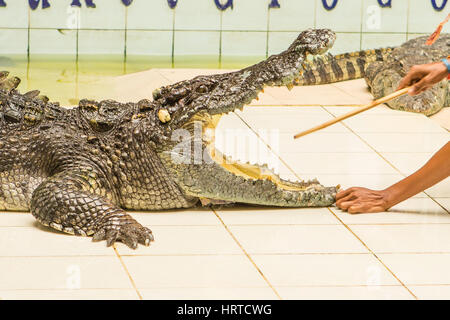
(245, 170)
(200, 103)
(209, 123)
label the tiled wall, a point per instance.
(197, 27)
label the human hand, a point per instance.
(359, 200)
(421, 77)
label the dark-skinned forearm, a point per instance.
(434, 171)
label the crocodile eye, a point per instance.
(202, 89)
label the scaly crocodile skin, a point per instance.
(79, 169)
(383, 70)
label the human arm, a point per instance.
(423, 76)
(358, 200)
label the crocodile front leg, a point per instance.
(72, 202)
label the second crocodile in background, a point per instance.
(383, 69)
(79, 169)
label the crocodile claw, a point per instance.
(130, 234)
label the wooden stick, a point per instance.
(355, 112)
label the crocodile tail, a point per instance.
(346, 66)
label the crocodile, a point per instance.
(383, 69)
(79, 169)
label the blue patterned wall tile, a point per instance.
(197, 15)
(246, 15)
(348, 18)
(60, 15)
(14, 15)
(388, 19)
(153, 15)
(292, 15)
(108, 14)
(345, 17)
(423, 18)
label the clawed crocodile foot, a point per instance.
(127, 231)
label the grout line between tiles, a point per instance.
(247, 255)
(221, 254)
(267, 32)
(340, 286)
(361, 26)
(347, 227)
(172, 54)
(60, 256)
(162, 75)
(315, 14)
(325, 224)
(209, 30)
(413, 252)
(407, 18)
(268, 146)
(395, 168)
(125, 41)
(127, 272)
(345, 92)
(386, 160)
(437, 202)
(344, 253)
(373, 253)
(220, 40)
(60, 289)
(28, 35)
(254, 254)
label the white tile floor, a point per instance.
(250, 252)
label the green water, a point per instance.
(67, 80)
